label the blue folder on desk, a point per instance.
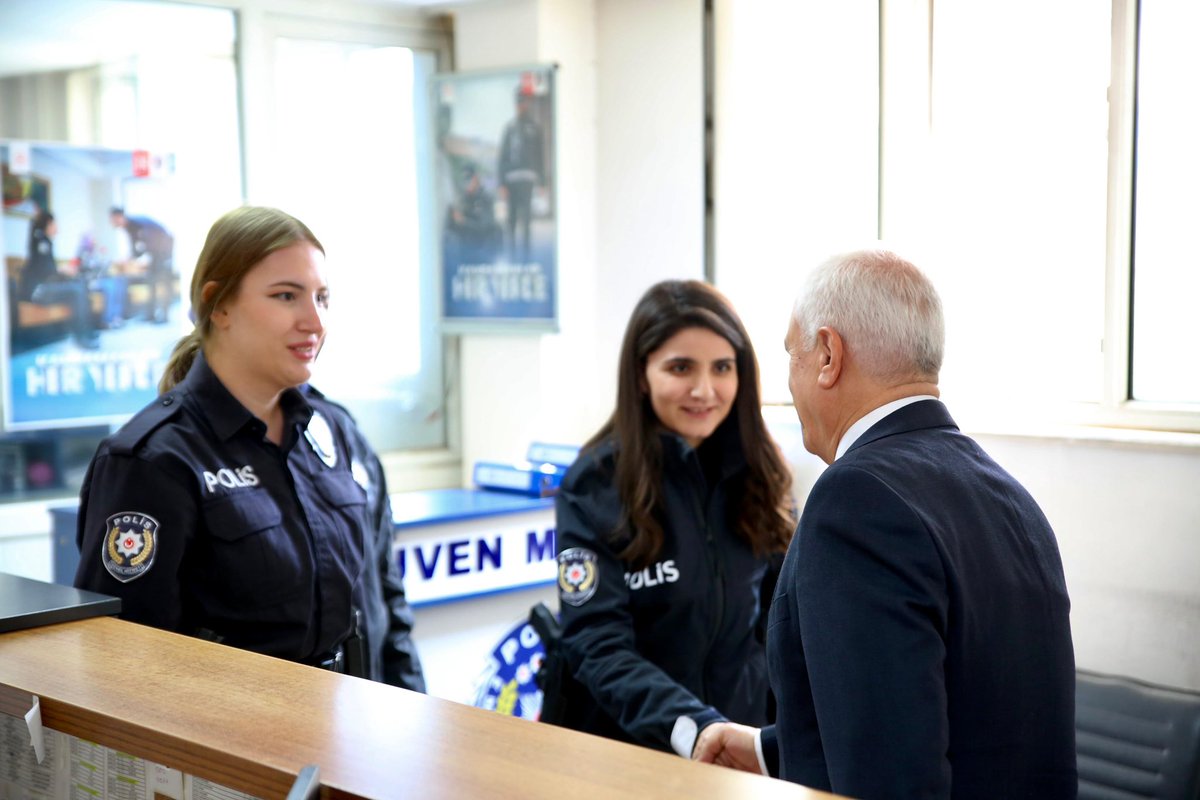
(538, 476)
(535, 480)
(560, 455)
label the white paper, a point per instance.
(201, 789)
(33, 720)
(165, 782)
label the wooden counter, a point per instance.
(252, 723)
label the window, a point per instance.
(1014, 236)
(1166, 275)
(796, 161)
(1049, 192)
(350, 135)
(335, 130)
(113, 76)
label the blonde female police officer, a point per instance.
(228, 508)
(668, 524)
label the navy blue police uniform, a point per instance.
(203, 526)
(680, 639)
(387, 618)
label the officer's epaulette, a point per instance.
(145, 422)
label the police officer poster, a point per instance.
(91, 304)
(495, 174)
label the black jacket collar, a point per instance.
(225, 414)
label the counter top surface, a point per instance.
(252, 723)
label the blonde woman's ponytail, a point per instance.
(181, 361)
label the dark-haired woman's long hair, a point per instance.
(764, 511)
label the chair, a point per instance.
(1135, 740)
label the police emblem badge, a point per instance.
(320, 439)
(577, 575)
(130, 544)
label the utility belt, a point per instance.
(347, 658)
(334, 661)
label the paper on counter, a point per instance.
(33, 721)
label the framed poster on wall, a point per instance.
(91, 299)
(495, 174)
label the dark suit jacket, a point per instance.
(919, 643)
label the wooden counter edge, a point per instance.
(256, 740)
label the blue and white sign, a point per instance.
(464, 543)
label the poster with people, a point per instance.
(91, 301)
(496, 200)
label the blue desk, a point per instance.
(454, 544)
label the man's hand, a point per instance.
(728, 744)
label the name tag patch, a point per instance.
(662, 572)
(130, 544)
(240, 478)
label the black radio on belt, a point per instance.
(355, 649)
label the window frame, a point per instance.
(1118, 408)
(908, 30)
(260, 24)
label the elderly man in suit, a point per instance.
(919, 641)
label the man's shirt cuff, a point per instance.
(683, 736)
(762, 762)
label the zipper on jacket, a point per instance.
(715, 564)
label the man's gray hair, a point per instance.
(885, 309)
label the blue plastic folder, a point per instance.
(535, 480)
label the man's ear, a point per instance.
(831, 353)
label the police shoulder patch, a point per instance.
(578, 574)
(129, 545)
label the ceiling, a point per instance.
(48, 35)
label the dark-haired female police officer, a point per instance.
(228, 508)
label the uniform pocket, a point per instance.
(348, 503)
(234, 516)
(251, 555)
(340, 489)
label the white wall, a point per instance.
(1127, 516)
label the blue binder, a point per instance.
(560, 455)
(535, 480)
